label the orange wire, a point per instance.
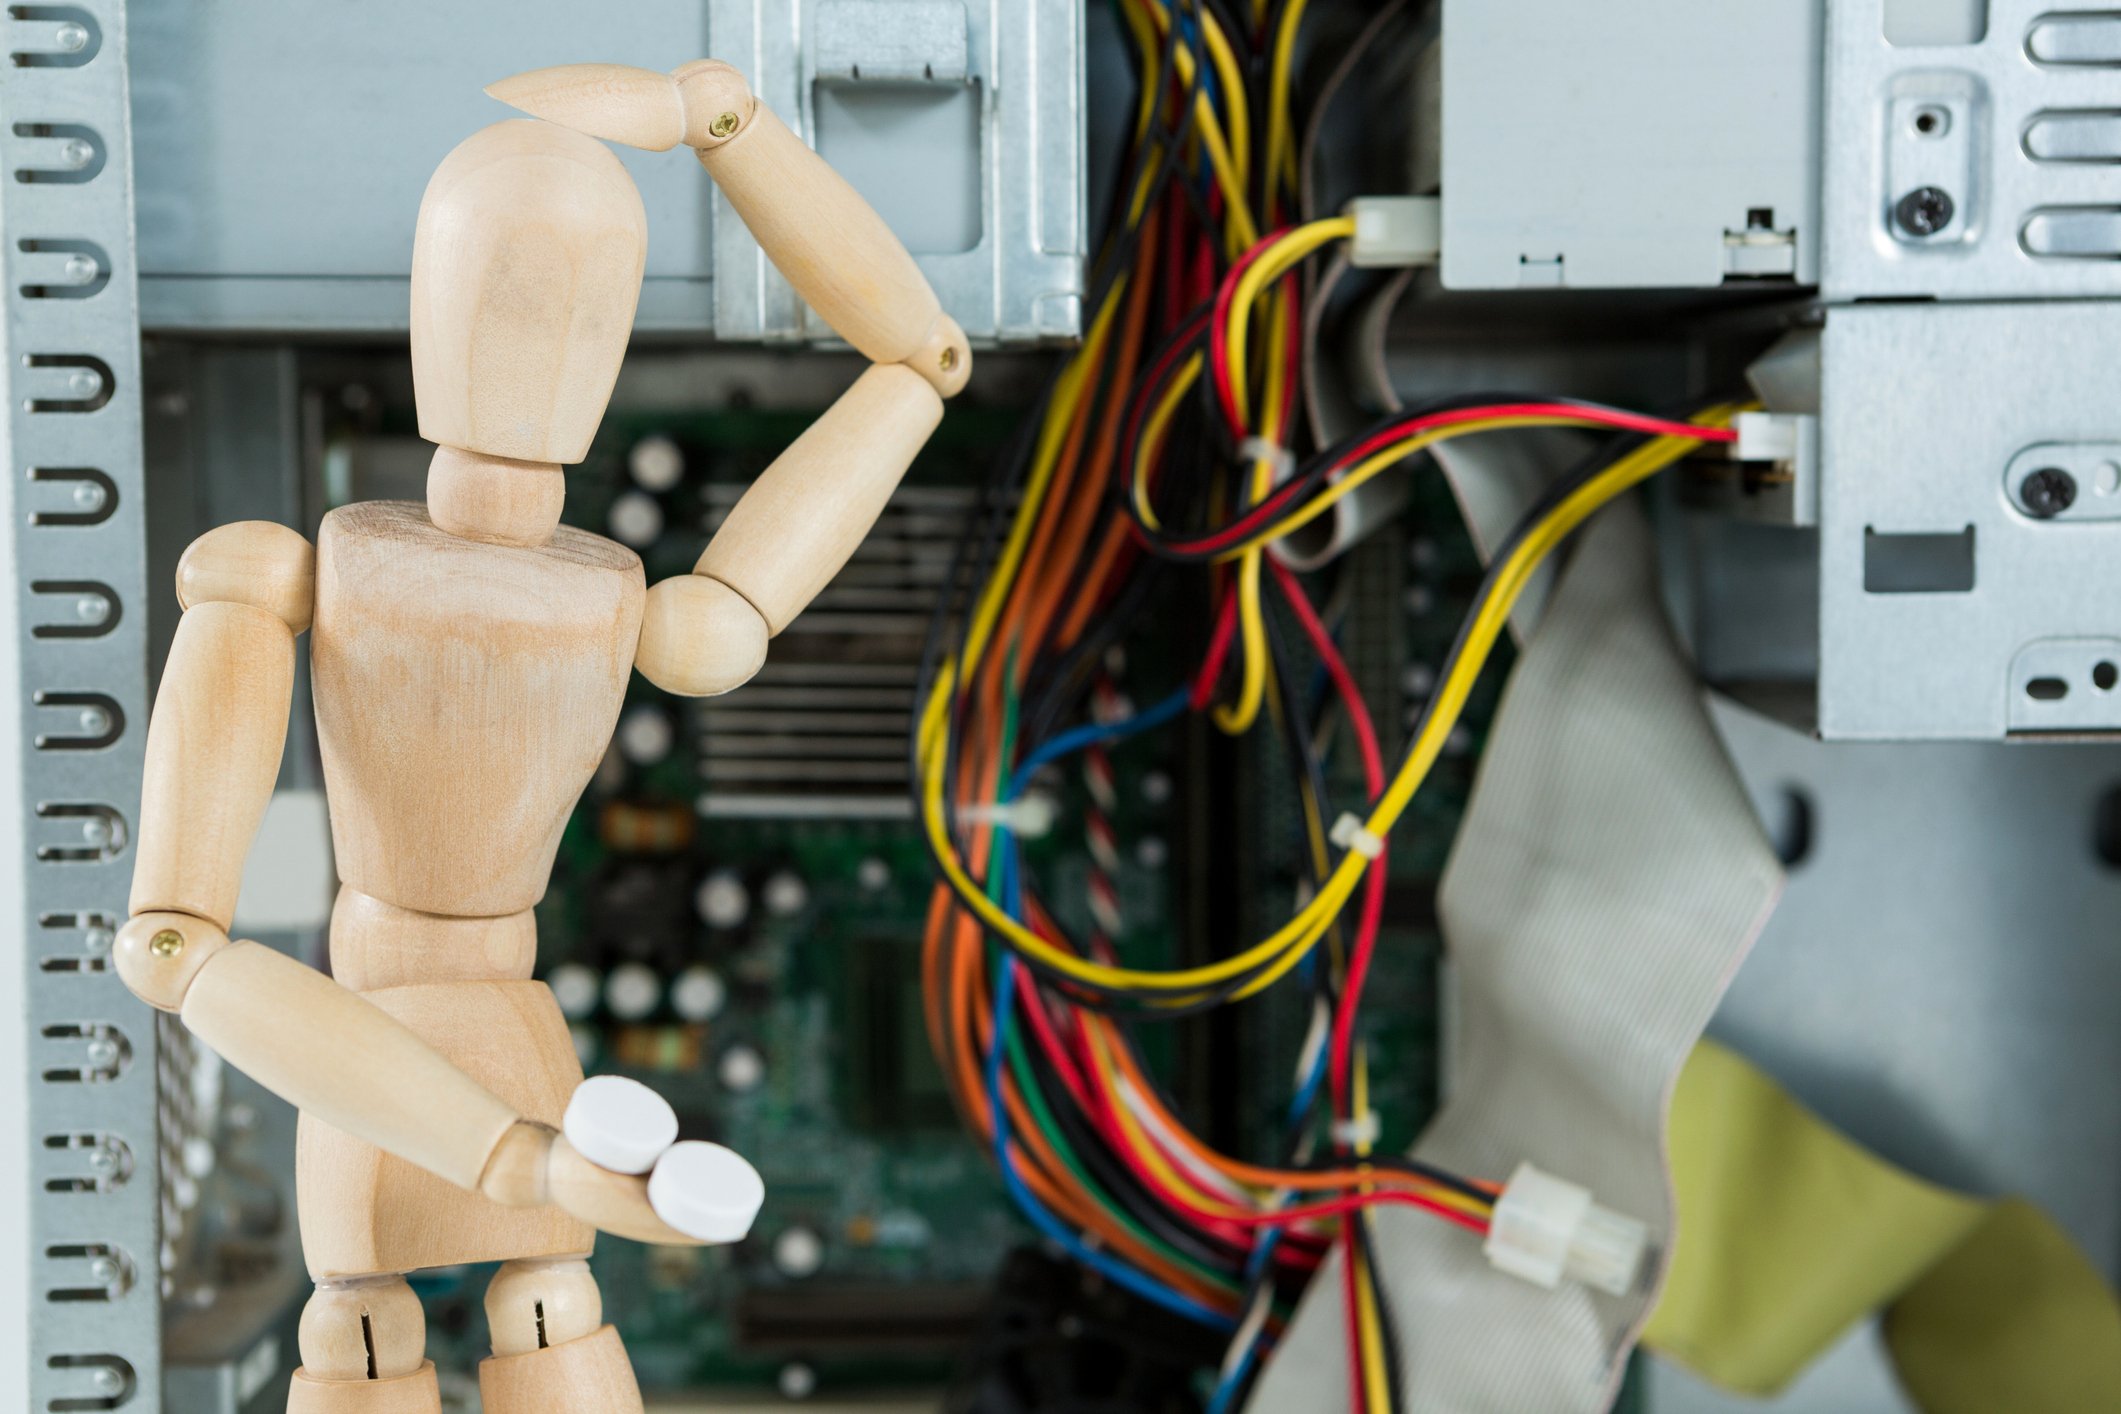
(1252, 1173)
(1080, 515)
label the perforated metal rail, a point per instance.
(75, 549)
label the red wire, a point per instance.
(1358, 1388)
(1097, 1103)
(1218, 333)
(1373, 772)
(1267, 510)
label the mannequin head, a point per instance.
(526, 268)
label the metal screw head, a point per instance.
(167, 943)
(723, 125)
(948, 359)
(1924, 211)
(2048, 492)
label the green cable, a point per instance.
(1020, 1064)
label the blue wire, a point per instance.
(1009, 884)
(1119, 1273)
(1047, 752)
(1263, 1252)
(1227, 1389)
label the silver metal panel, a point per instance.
(1023, 279)
(284, 148)
(2021, 143)
(1924, 409)
(76, 557)
(1943, 953)
(1676, 149)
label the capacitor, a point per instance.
(740, 1069)
(722, 900)
(635, 519)
(786, 894)
(575, 988)
(656, 463)
(632, 991)
(798, 1252)
(698, 993)
(645, 734)
(797, 1381)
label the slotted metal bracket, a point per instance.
(75, 555)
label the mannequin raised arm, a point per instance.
(816, 229)
(706, 632)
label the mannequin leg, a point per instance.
(552, 1352)
(364, 1344)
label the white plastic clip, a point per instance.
(1259, 449)
(1546, 1228)
(1357, 1131)
(1350, 833)
(1028, 817)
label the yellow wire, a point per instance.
(1243, 233)
(1390, 456)
(1281, 144)
(1238, 717)
(1377, 1387)
(1232, 77)
(1286, 947)
(1153, 430)
(1067, 394)
(1276, 261)
(1177, 1177)
(1144, 40)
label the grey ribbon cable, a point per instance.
(1609, 877)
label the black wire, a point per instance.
(1393, 1163)
(1257, 522)
(1124, 1188)
(1361, 1234)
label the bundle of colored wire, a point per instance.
(1143, 495)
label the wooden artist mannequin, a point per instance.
(469, 660)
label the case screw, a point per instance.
(723, 125)
(1924, 211)
(2048, 492)
(167, 943)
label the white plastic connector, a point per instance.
(1765, 436)
(1392, 231)
(1546, 1228)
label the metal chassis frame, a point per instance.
(76, 557)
